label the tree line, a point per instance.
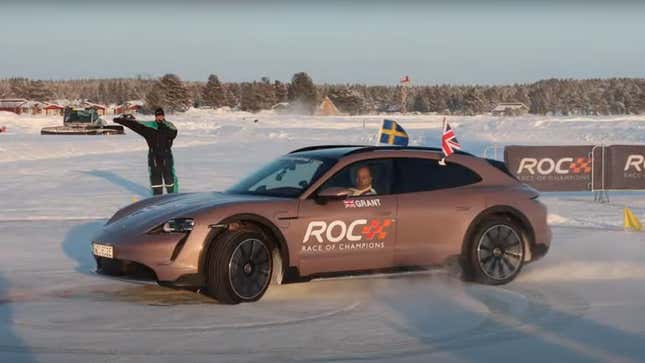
(614, 96)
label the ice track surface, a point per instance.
(584, 302)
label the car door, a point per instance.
(354, 233)
(435, 206)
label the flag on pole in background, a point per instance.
(449, 141)
(392, 133)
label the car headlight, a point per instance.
(178, 225)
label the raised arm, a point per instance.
(130, 122)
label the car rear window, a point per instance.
(420, 175)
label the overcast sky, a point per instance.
(338, 42)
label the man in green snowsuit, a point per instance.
(159, 135)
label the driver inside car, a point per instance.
(362, 183)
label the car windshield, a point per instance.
(287, 177)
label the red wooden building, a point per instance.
(128, 108)
(100, 109)
(53, 109)
(14, 105)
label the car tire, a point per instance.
(495, 252)
(277, 270)
(240, 267)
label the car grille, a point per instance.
(134, 270)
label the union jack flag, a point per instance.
(349, 203)
(449, 140)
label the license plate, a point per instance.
(102, 250)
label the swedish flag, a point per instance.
(393, 134)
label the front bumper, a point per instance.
(123, 268)
(153, 256)
(139, 272)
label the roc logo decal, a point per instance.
(635, 161)
(548, 166)
(337, 236)
(581, 165)
(376, 229)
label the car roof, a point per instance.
(326, 151)
(339, 151)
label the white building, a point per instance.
(510, 109)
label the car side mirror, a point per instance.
(333, 193)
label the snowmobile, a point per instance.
(83, 122)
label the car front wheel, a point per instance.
(240, 267)
(496, 252)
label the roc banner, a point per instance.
(551, 168)
(624, 167)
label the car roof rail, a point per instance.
(321, 147)
(394, 147)
(368, 148)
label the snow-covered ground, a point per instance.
(585, 301)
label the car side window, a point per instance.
(420, 175)
(366, 177)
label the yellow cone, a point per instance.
(631, 222)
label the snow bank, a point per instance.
(199, 127)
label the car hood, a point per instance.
(153, 213)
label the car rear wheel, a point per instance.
(240, 267)
(496, 252)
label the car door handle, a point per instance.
(287, 218)
(462, 208)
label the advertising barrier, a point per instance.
(551, 168)
(578, 167)
(624, 167)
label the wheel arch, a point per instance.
(248, 220)
(504, 211)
